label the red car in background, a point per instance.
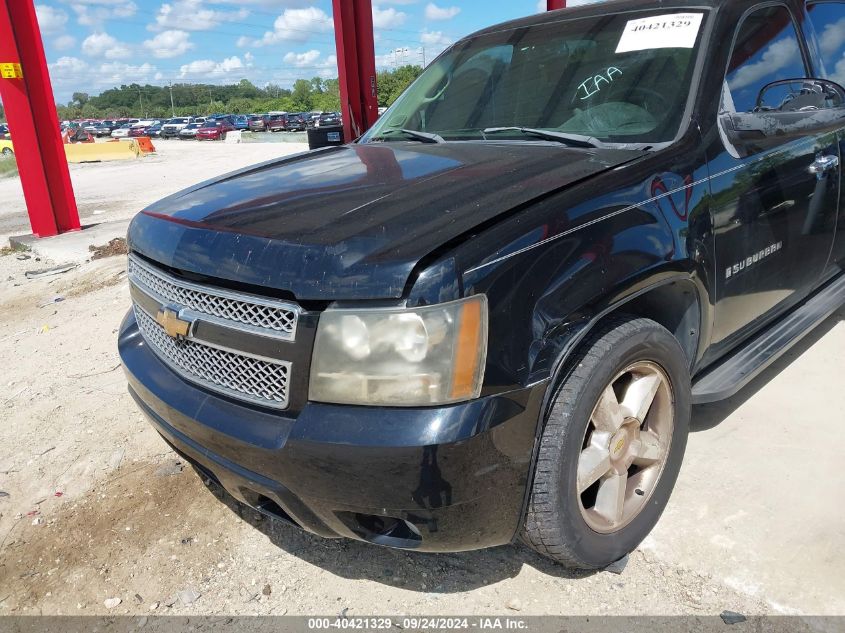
(215, 130)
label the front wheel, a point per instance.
(7, 151)
(612, 446)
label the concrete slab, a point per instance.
(74, 246)
(758, 504)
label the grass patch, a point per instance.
(8, 167)
(11, 250)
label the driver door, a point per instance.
(775, 201)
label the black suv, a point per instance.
(490, 316)
(296, 122)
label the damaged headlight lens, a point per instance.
(401, 357)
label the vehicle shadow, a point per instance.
(708, 416)
(413, 571)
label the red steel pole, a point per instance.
(356, 65)
(33, 122)
(551, 5)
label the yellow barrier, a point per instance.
(96, 152)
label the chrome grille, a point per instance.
(263, 381)
(263, 316)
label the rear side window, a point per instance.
(828, 20)
(766, 50)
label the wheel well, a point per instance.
(675, 306)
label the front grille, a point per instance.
(262, 381)
(262, 316)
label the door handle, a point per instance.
(824, 164)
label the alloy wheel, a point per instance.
(625, 447)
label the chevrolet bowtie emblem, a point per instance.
(172, 324)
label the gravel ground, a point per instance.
(118, 190)
(99, 516)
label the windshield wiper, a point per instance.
(425, 137)
(573, 140)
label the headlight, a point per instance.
(401, 357)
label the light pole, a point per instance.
(172, 107)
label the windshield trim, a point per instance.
(711, 14)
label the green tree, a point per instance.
(302, 97)
(79, 99)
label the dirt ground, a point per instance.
(98, 516)
(118, 190)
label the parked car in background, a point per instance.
(296, 122)
(154, 131)
(105, 127)
(328, 119)
(145, 123)
(241, 122)
(277, 122)
(258, 123)
(215, 129)
(4, 130)
(189, 132)
(91, 126)
(140, 129)
(172, 127)
(122, 131)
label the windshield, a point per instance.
(619, 78)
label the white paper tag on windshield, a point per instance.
(676, 30)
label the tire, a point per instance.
(560, 523)
(7, 151)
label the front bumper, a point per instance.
(436, 479)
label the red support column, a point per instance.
(356, 65)
(551, 5)
(33, 122)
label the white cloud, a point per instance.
(433, 12)
(210, 69)
(69, 74)
(50, 19)
(302, 59)
(104, 45)
(192, 15)
(434, 42)
(64, 42)
(388, 18)
(776, 56)
(293, 25)
(831, 39)
(95, 12)
(169, 44)
(116, 73)
(324, 67)
(68, 65)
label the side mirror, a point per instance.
(797, 95)
(786, 110)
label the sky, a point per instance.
(93, 45)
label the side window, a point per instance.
(828, 20)
(766, 50)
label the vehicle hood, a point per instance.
(352, 222)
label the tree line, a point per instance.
(148, 101)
